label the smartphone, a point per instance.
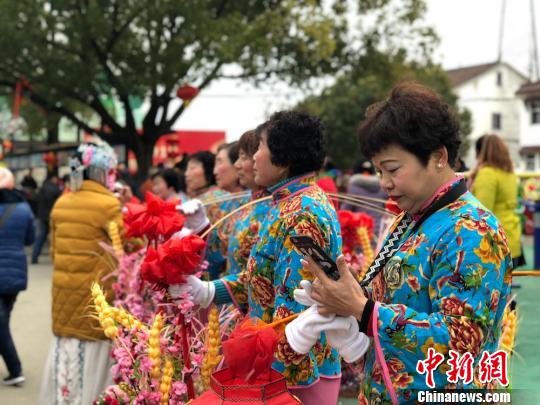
(307, 246)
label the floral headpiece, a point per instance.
(99, 161)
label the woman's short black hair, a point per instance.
(232, 150)
(296, 139)
(171, 178)
(413, 117)
(207, 159)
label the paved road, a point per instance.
(31, 329)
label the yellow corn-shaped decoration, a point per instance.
(104, 311)
(166, 382)
(509, 330)
(154, 346)
(213, 343)
(115, 238)
(127, 320)
(365, 244)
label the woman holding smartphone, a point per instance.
(290, 152)
(442, 278)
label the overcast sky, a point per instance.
(469, 32)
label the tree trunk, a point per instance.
(143, 147)
(53, 127)
(52, 133)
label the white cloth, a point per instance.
(203, 292)
(342, 333)
(76, 372)
(195, 213)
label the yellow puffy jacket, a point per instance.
(497, 191)
(79, 221)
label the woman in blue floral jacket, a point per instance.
(290, 152)
(248, 221)
(440, 283)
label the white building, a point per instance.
(489, 92)
(529, 96)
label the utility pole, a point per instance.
(501, 30)
(535, 75)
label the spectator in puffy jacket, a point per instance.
(78, 365)
(16, 231)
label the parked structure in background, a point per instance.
(489, 92)
(529, 96)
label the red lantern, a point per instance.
(187, 93)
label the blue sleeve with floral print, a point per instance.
(220, 237)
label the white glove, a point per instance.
(182, 233)
(303, 295)
(304, 331)
(349, 342)
(202, 291)
(196, 218)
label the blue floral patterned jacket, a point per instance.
(299, 207)
(445, 288)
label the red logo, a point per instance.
(493, 367)
(460, 367)
(428, 365)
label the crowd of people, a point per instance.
(441, 277)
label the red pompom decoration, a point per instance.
(173, 260)
(157, 219)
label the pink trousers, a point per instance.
(323, 392)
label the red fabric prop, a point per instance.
(249, 351)
(173, 260)
(156, 219)
(225, 389)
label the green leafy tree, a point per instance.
(343, 104)
(72, 53)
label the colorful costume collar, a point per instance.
(291, 186)
(259, 193)
(442, 190)
(202, 190)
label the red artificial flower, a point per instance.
(155, 219)
(173, 260)
(249, 351)
(350, 222)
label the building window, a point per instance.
(496, 123)
(535, 112)
(499, 79)
(529, 163)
